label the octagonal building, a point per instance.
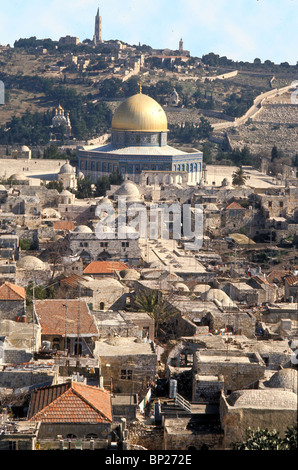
(139, 148)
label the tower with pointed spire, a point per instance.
(181, 46)
(97, 30)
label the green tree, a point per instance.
(263, 439)
(291, 438)
(38, 292)
(156, 304)
(58, 185)
(84, 189)
(275, 153)
(102, 185)
(205, 129)
(238, 178)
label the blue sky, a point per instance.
(238, 29)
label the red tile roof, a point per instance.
(234, 205)
(73, 280)
(261, 280)
(52, 315)
(71, 403)
(104, 267)
(292, 280)
(64, 225)
(9, 291)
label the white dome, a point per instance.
(211, 207)
(67, 168)
(18, 177)
(25, 148)
(51, 213)
(83, 229)
(285, 378)
(30, 263)
(201, 288)
(129, 189)
(219, 296)
(130, 274)
(181, 286)
(65, 192)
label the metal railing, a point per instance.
(179, 400)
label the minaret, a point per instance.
(97, 30)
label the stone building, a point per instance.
(234, 216)
(126, 324)
(9, 246)
(255, 291)
(192, 434)
(73, 411)
(100, 294)
(100, 269)
(20, 435)
(291, 286)
(67, 175)
(67, 325)
(60, 121)
(235, 369)
(128, 364)
(31, 269)
(12, 302)
(264, 409)
(174, 99)
(91, 247)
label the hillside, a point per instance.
(89, 82)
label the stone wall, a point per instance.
(128, 373)
(178, 435)
(241, 323)
(16, 356)
(147, 436)
(51, 430)
(238, 369)
(236, 421)
(11, 309)
(20, 379)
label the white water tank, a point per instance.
(173, 388)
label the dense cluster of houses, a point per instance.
(81, 367)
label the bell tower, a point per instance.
(97, 30)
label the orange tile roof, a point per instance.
(64, 225)
(292, 280)
(234, 205)
(9, 291)
(52, 315)
(71, 403)
(261, 280)
(104, 267)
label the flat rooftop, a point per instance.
(120, 346)
(225, 358)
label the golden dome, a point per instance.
(140, 113)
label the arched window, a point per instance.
(101, 306)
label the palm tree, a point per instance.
(238, 178)
(156, 304)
